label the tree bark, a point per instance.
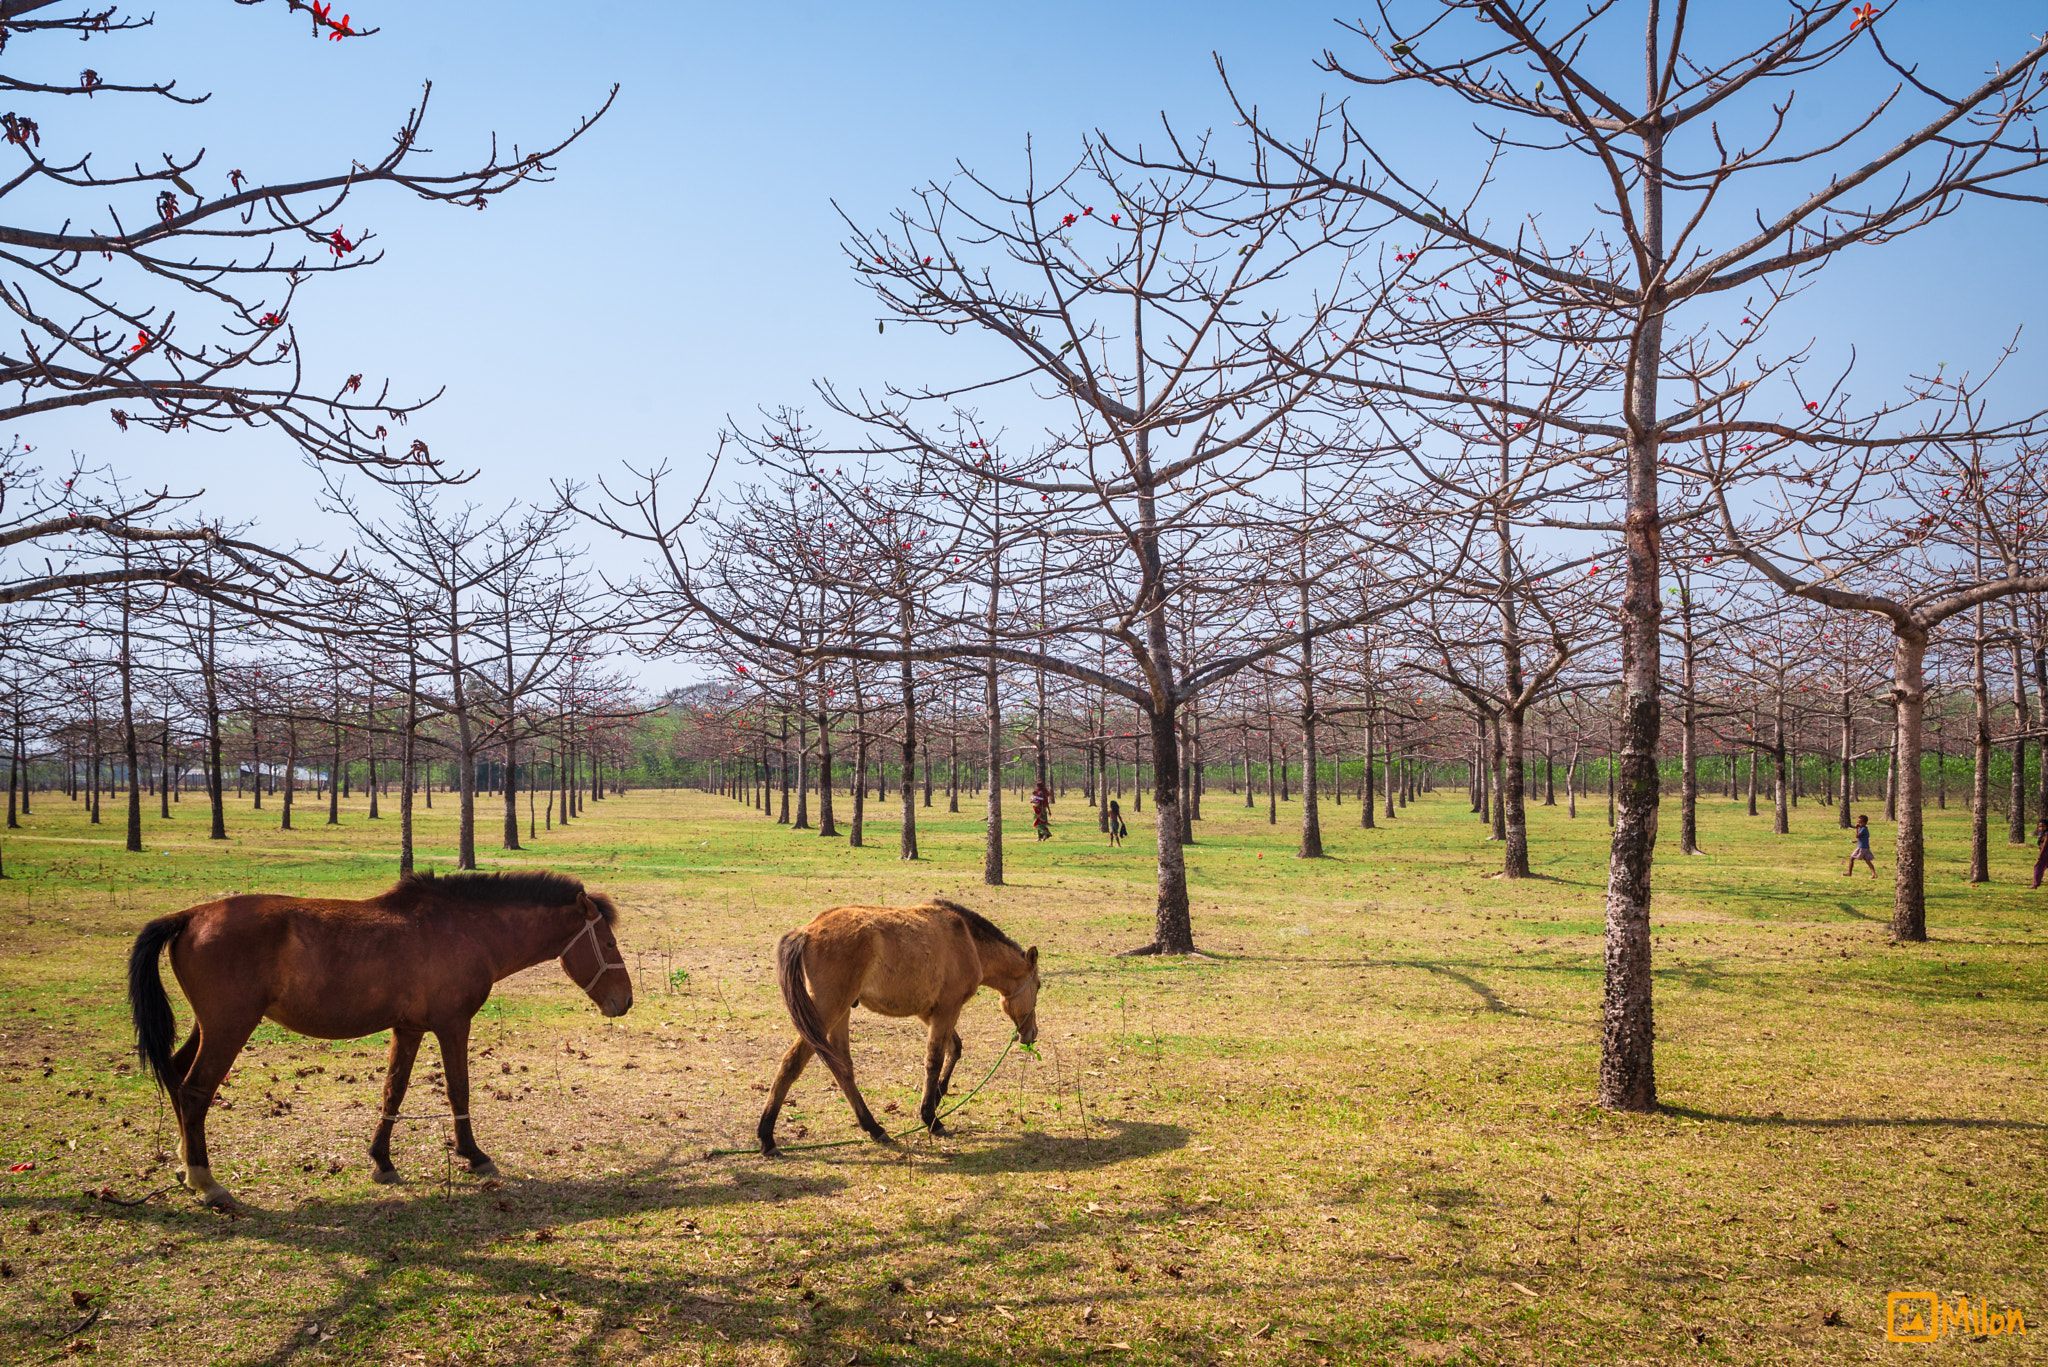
(1628, 1075)
(992, 846)
(1909, 689)
(1980, 778)
(1515, 816)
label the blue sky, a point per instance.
(685, 265)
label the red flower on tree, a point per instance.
(1865, 14)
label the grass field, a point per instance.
(1360, 1132)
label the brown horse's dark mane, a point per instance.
(984, 930)
(420, 891)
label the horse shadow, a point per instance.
(1107, 1143)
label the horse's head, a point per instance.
(1020, 1003)
(592, 959)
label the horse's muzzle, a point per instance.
(616, 1003)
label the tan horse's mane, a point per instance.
(432, 891)
(984, 930)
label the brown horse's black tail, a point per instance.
(803, 1012)
(155, 1028)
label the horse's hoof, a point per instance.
(880, 1136)
(767, 1148)
(939, 1129)
(386, 1176)
(484, 1167)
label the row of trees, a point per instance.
(1220, 413)
(1228, 426)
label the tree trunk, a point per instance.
(128, 744)
(1368, 800)
(1175, 929)
(1980, 779)
(1628, 1075)
(1311, 815)
(1848, 758)
(1909, 896)
(2016, 814)
(906, 847)
(1781, 819)
(1515, 818)
(1498, 776)
(828, 828)
(992, 845)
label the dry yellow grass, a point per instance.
(1360, 1132)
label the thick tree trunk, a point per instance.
(1628, 1074)
(1515, 816)
(1175, 930)
(1909, 895)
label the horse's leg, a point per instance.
(840, 1035)
(792, 1068)
(454, 1042)
(938, 1045)
(218, 1044)
(405, 1045)
(952, 1057)
(181, 1068)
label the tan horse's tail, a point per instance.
(155, 1027)
(803, 1012)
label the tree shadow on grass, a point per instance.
(505, 1240)
(1851, 1122)
(585, 1269)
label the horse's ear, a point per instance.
(1031, 957)
(588, 907)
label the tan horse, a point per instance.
(421, 957)
(924, 961)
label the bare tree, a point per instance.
(1683, 247)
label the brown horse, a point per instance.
(925, 961)
(421, 957)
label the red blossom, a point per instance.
(1865, 14)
